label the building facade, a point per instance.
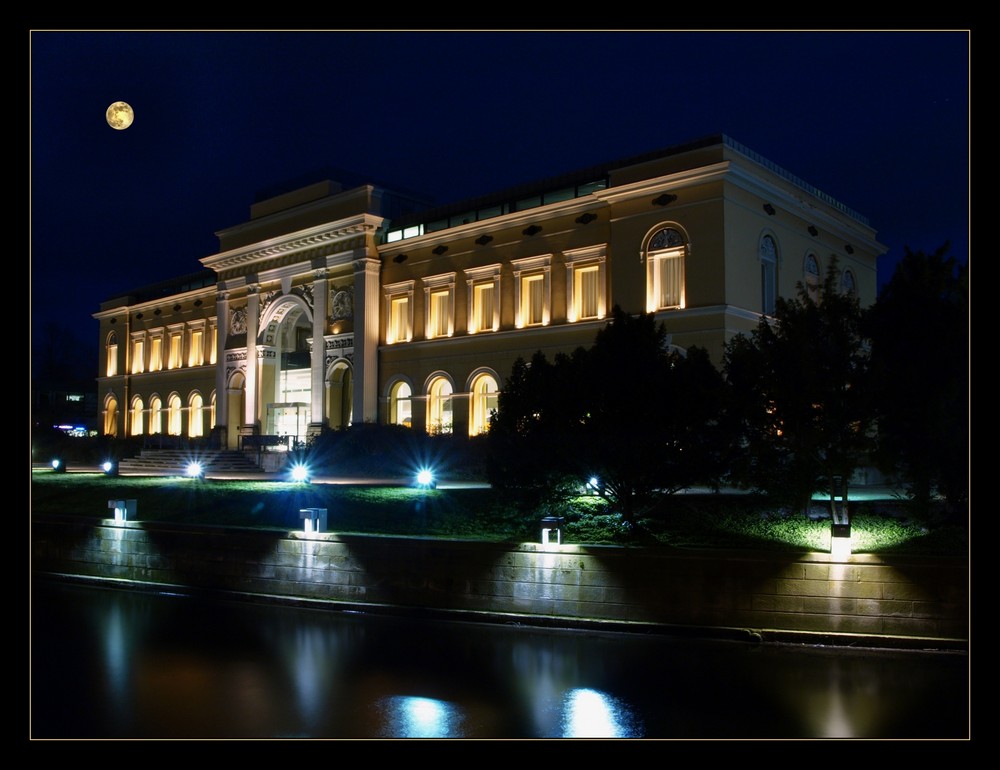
(332, 306)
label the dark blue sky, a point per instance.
(878, 120)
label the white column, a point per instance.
(317, 360)
(253, 314)
(221, 331)
(366, 336)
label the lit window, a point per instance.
(439, 406)
(399, 312)
(812, 276)
(196, 354)
(138, 360)
(111, 417)
(135, 415)
(400, 405)
(174, 415)
(531, 291)
(665, 271)
(483, 298)
(155, 416)
(585, 284)
(196, 418)
(174, 356)
(768, 253)
(155, 353)
(111, 367)
(483, 404)
(439, 293)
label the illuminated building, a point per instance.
(335, 305)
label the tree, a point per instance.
(919, 329)
(638, 416)
(798, 395)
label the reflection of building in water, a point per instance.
(335, 305)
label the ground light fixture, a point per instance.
(425, 479)
(58, 466)
(299, 472)
(109, 468)
(194, 470)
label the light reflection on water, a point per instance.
(123, 664)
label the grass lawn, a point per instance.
(683, 521)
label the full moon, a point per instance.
(120, 115)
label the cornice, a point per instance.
(314, 241)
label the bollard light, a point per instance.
(314, 519)
(58, 466)
(123, 509)
(110, 468)
(552, 524)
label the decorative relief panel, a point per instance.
(343, 304)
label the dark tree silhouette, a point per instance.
(641, 418)
(798, 395)
(919, 329)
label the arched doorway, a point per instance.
(286, 370)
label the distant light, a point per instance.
(300, 472)
(194, 470)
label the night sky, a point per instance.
(878, 120)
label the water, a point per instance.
(114, 664)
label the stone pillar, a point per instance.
(366, 338)
(317, 358)
(253, 319)
(221, 332)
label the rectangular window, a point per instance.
(213, 345)
(156, 354)
(195, 351)
(137, 356)
(174, 357)
(112, 367)
(586, 291)
(440, 314)
(399, 319)
(668, 281)
(483, 298)
(533, 299)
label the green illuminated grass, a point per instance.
(684, 521)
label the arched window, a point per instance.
(482, 404)
(135, 418)
(196, 420)
(111, 365)
(768, 254)
(665, 271)
(439, 406)
(400, 405)
(848, 285)
(174, 415)
(811, 276)
(111, 416)
(155, 416)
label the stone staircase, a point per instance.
(174, 462)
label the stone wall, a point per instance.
(766, 595)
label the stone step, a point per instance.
(175, 461)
